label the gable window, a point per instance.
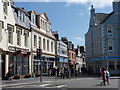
(21, 16)
(0, 31)
(33, 18)
(18, 36)
(5, 7)
(35, 41)
(47, 45)
(26, 38)
(10, 33)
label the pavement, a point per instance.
(51, 81)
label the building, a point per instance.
(102, 40)
(71, 54)
(6, 19)
(15, 34)
(61, 52)
(42, 37)
(80, 58)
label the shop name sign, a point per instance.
(11, 48)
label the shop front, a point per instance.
(62, 62)
(18, 61)
(45, 62)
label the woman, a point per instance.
(103, 76)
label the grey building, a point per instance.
(102, 40)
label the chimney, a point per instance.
(116, 6)
(56, 35)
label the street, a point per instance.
(86, 82)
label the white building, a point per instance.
(42, 37)
(6, 20)
(80, 58)
(14, 39)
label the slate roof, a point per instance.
(25, 24)
(100, 17)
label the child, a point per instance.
(107, 74)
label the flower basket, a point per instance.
(16, 77)
(37, 75)
(27, 76)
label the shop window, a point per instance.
(111, 66)
(118, 65)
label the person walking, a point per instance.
(103, 77)
(107, 74)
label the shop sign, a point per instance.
(11, 48)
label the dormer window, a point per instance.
(33, 18)
(21, 16)
(5, 7)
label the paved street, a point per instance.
(86, 82)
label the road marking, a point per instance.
(60, 86)
(43, 85)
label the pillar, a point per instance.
(6, 64)
(0, 66)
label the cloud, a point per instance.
(95, 3)
(79, 39)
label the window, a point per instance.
(83, 60)
(111, 66)
(51, 46)
(118, 65)
(21, 16)
(35, 41)
(48, 45)
(10, 33)
(0, 31)
(44, 44)
(109, 28)
(39, 42)
(110, 48)
(5, 7)
(26, 38)
(33, 18)
(18, 36)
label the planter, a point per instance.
(16, 77)
(27, 76)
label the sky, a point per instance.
(70, 18)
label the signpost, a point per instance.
(39, 54)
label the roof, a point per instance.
(100, 17)
(25, 25)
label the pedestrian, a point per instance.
(103, 76)
(107, 74)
